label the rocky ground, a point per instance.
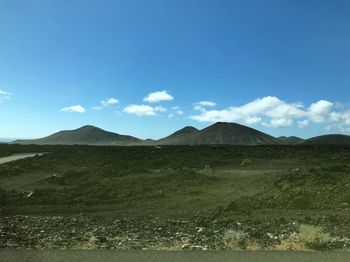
(210, 233)
(224, 198)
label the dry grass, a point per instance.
(253, 246)
(313, 236)
(91, 243)
(308, 238)
(294, 246)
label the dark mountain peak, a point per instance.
(232, 134)
(222, 126)
(89, 131)
(187, 129)
(226, 124)
(88, 127)
(219, 133)
(223, 123)
(85, 135)
(180, 137)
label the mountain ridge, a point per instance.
(179, 136)
(223, 133)
(220, 133)
(85, 135)
(290, 140)
(331, 139)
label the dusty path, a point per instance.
(154, 256)
(15, 157)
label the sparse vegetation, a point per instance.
(225, 197)
(313, 236)
(234, 239)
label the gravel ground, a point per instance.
(153, 233)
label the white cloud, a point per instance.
(158, 97)
(286, 110)
(319, 111)
(199, 108)
(176, 110)
(140, 110)
(206, 103)
(160, 109)
(280, 122)
(337, 127)
(339, 121)
(303, 123)
(144, 110)
(272, 112)
(76, 108)
(342, 117)
(237, 114)
(4, 95)
(253, 120)
(328, 128)
(104, 103)
(259, 105)
(109, 101)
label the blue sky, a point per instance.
(281, 67)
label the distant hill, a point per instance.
(329, 140)
(290, 140)
(5, 140)
(86, 135)
(219, 134)
(232, 134)
(180, 137)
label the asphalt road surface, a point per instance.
(154, 256)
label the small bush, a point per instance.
(234, 239)
(313, 236)
(253, 246)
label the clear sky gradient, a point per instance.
(282, 67)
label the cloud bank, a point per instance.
(273, 112)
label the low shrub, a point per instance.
(313, 236)
(234, 239)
